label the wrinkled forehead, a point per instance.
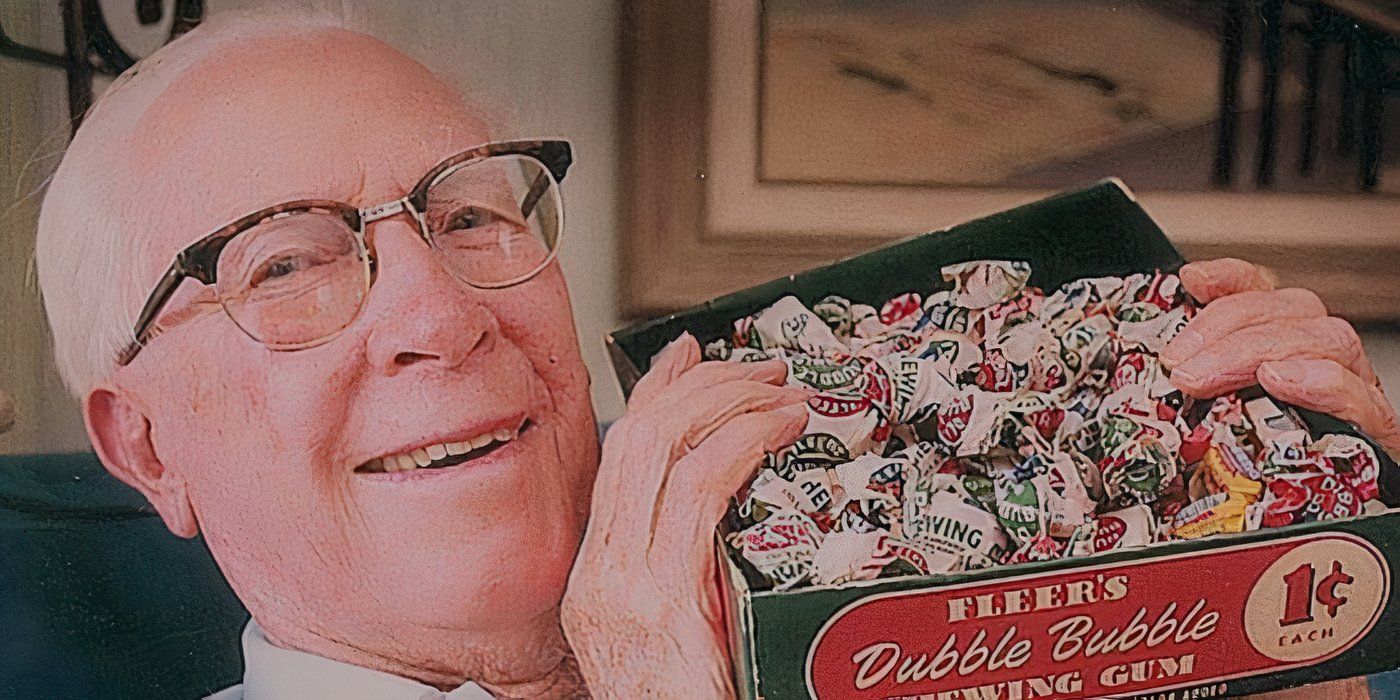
(332, 115)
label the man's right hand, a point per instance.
(643, 612)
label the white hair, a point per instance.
(88, 262)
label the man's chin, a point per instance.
(498, 589)
(502, 527)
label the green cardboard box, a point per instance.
(1217, 617)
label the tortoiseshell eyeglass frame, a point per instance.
(200, 261)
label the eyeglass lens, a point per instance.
(299, 277)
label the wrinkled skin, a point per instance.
(643, 609)
(1281, 339)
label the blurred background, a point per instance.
(723, 143)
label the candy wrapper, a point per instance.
(991, 423)
(783, 548)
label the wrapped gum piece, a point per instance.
(1128, 527)
(1214, 514)
(1227, 469)
(790, 325)
(851, 419)
(993, 423)
(1354, 462)
(850, 556)
(835, 311)
(978, 285)
(1138, 470)
(909, 558)
(782, 548)
(1022, 506)
(826, 375)
(944, 522)
(811, 451)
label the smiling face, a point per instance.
(283, 457)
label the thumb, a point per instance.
(678, 356)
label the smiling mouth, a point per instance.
(446, 454)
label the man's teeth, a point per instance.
(426, 456)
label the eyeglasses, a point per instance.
(296, 274)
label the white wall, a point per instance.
(33, 133)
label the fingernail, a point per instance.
(1180, 376)
(770, 366)
(1277, 373)
(1195, 269)
(1182, 347)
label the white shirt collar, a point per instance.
(274, 673)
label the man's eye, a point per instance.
(279, 268)
(468, 218)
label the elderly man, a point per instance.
(359, 379)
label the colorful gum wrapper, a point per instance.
(1215, 514)
(782, 547)
(946, 523)
(1128, 527)
(992, 423)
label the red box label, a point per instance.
(1115, 629)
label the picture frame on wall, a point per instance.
(764, 138)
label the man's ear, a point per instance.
(121, 433)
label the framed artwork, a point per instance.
(763, 137)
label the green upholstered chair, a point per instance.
(97, 598)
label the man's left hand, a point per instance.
(1281, 339)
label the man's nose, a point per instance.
(419, 313)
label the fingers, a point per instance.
(638, 469)
(1209, 280)
(1327, 387)
(1282, 340)
(707, 374)
(1232, 362)
(704, 411)
(698, 492)
(1238, 311)
(667, 392)
(678, 356)
(678, 368)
